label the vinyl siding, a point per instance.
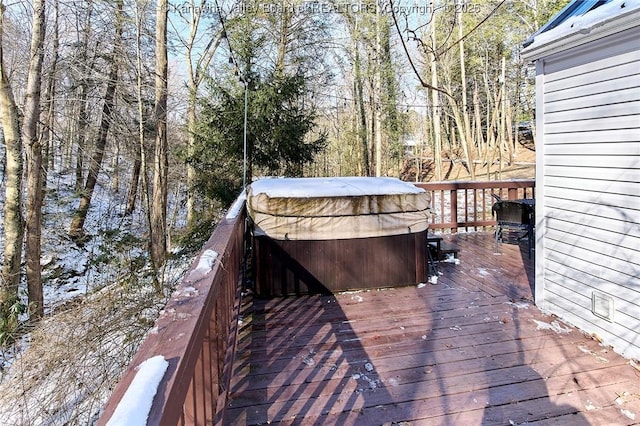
(589, 232)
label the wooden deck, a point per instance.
(471, 349)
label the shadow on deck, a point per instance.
(471, 349)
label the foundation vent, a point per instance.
(602, 305)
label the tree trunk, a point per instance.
(391, 124)
(49, 146)
(377, 105)
(161, 163)
(142, 157)
(283, 43)
(477, 120)
(76, 230)
(83, 124)
(435, 99)
(83, 116)
(115, 166)
(196, 74)
(465, 134)
(191, 172)
(503, 116)
(33, 149)
(13, 220)
(362, 122)
(135, 178)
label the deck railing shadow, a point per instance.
(315, 353)
(507, 389)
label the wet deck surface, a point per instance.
(469, 350)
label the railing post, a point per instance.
(454, 210)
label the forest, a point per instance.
(129, 127)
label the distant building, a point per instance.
(410, 145)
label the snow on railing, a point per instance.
(195, 335)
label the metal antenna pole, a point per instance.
(244, 145)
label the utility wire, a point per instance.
(225, 35)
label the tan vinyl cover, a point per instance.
(336, 208)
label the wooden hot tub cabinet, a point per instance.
(285, 267)
(322, 235)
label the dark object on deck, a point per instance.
(516, 217)
(438, 251)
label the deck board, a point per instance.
(471, 349)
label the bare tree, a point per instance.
(83, 116)
(161, 155)
(198, 60)
(464, 124)
(13, 220)
(33, 149)
(436, 107)
(48, 135)
(360, 121)
(76, 230)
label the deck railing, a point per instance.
(196, 332)
(467, 204)
(195, 335)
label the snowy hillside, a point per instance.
(100, 303)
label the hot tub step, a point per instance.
(446, 248)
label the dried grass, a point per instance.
(75, 358)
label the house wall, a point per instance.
(588, 188)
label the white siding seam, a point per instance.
(628, 278)
(593, 191)
(606, 234)
(593, 179)
(629, 221)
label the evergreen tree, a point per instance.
(280, 134)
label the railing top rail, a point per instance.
(185, 317)
(463, 184)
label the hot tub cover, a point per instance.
(336, 208)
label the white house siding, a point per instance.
(589, 186)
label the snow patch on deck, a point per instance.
(553, 326)
(519, 305)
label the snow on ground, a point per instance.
(100, 303)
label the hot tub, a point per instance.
(319, 235)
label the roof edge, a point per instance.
(554, 21)
(612, 25)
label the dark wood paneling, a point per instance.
(310, 267)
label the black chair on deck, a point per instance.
(516, 218)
